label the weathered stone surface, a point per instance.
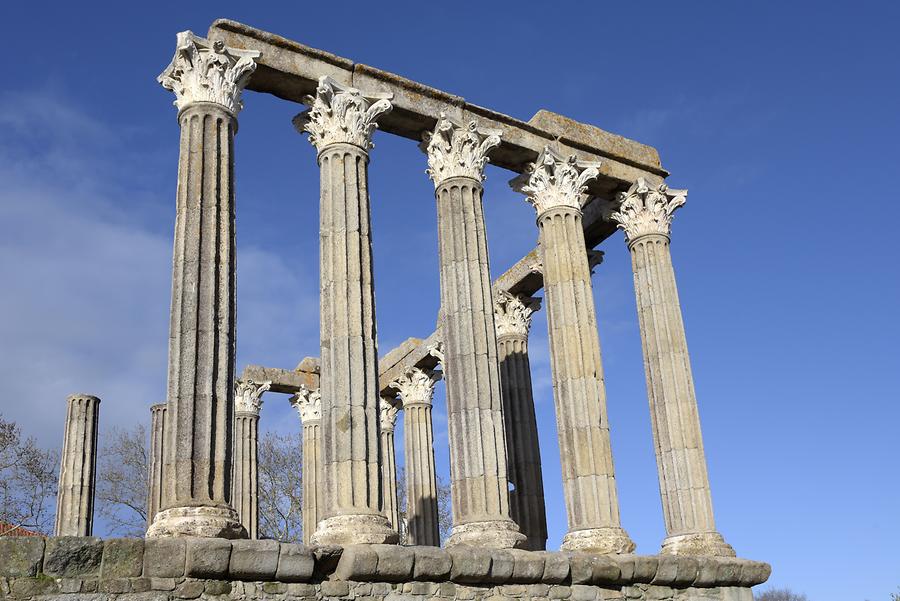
(207, 558)
(470, 564)
(164, 557)
(78, 467)
(253, 560)
(529, 567)
(502, 565)
(395, 563)
(335, 588)
(606, 570)
(73, 556)
(295, 563)
(21, 556)
(556, 567)
(189, 589)
(431, 563)
(645, 567)
(122, 558)
(357, 562)
(155, 487)
(31, 587)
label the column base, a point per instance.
(697, 543)
(602, 541)
(492, 534)
(201, 521)
(357, 529)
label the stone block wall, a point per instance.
(170, 569)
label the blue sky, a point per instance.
(780, 118)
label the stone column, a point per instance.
(645, 214)
(340, 123)
(308, 404)
(555, 187)
(416, 389)
(388, 416)
(157, 452)
(245, 482)
(479, 487)
(78, 468)
(207, 79)
(526, 498)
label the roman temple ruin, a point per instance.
(584, 184)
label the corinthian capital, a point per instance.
(248, 395)
(308, 404)
(204, 71)
(512, 314)
(457, 150)
(416, 385)
(387, 413)
(646, 209)
(553, 181)
(340, 114)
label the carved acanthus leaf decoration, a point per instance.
(457, 150)
(340, 114)
(437, 351)
(248, 395)
(646, 209)
(512, 314)
(308, 404)
(553, 181)
(204, 71)
(594, 257)
(387, 413)
(416, 385)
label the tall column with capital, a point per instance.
(308, 404)
(207, 79)
(555, 187)
(388, 412)
(526, 498)
(245, 481)
(78, 467)
(340, 123)
(645, 214)
(157, 452)
(416, 389)
(479, 487)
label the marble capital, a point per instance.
(555, 181)
(457, 150)
(512, 314)
(437, 351)
(416, 386)
(248, 395)
(387, 413)
(208, 71)
(308, 404)
(645, 209)
(340, 114)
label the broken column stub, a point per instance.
(78, 467)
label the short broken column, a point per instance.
(207, 79)
(555, 186)
(78, 467)
(340, 123)
(308, 404)
(388, 412)
(416, 390)
(644, 212)
(526, 497)
(245, 480)
(155, 469)
(478, 475)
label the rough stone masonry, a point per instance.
(584, 184)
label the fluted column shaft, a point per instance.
(246, 479)
(78, 467)
(645, 214)
(207, 79)
(155, 470)
(526, 500)
(556, 186)
(389, 465)
(313, 501)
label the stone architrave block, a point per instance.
(529, 566)
(73, 556)
(645, 567)
(431, 564)
(605, 570)
(122, 558)
(666, 571)
(207, 558)
(295, 563)
(21, 556)
(502, 565)
(395, 563)
(253, 559)
(707, 571)
(164, 557)
(556, 567)
(688, 569)
(357, 562)
(470, 564)
(729, 572)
